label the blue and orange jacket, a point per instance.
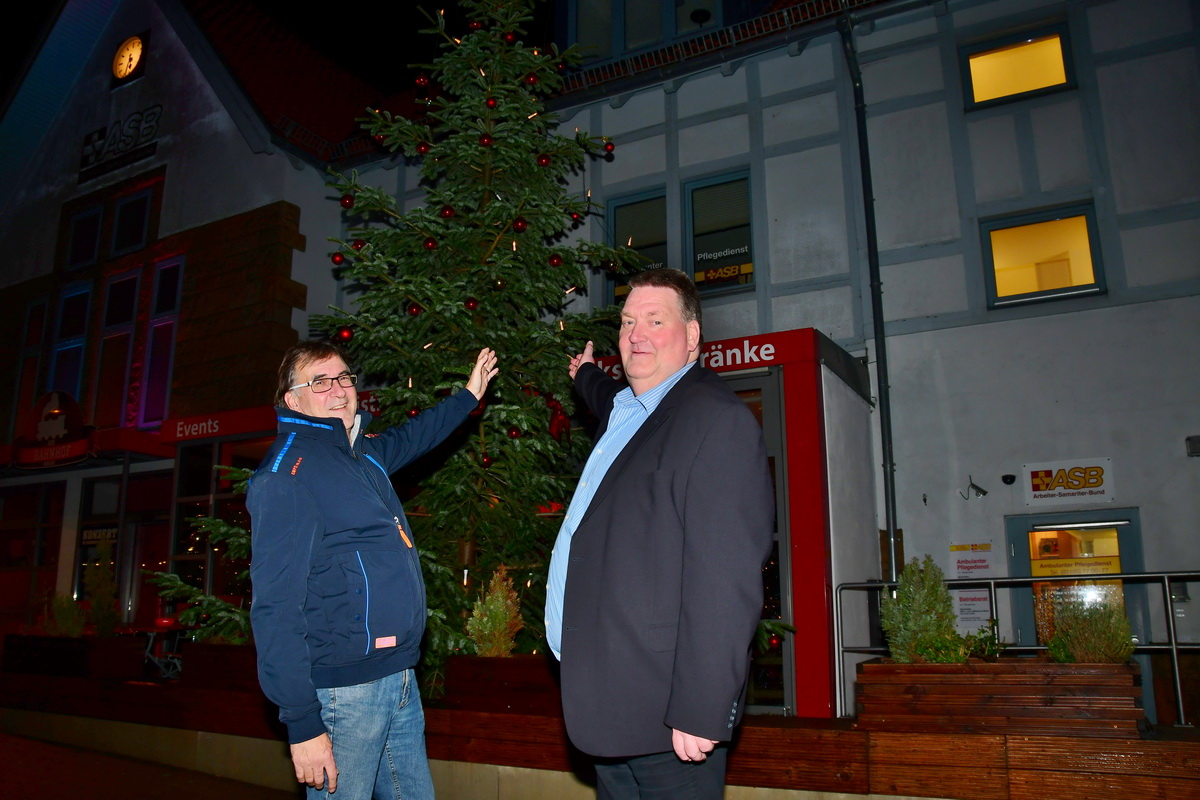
(338, 594)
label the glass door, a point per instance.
(772, 668)
(1058, 547)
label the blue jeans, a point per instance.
(378, 734)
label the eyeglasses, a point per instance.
(325, 384)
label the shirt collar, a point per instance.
(650, 399)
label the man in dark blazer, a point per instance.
(655, 583)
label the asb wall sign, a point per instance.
(1083, 480)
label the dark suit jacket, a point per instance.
(664, 581)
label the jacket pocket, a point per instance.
(368, 600)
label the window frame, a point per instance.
(29, 355)
(612, 282)
(155, 320)
(113, 330)
(689, 239)
(1098, 286)
(61, 344)
(617, 32)
(96, 211)
(965, 52)
(118, 205)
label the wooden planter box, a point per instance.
(519, 684)
(111, 658)
(219, 666)
(1027, 696)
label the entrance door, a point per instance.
(1060, 545)
(772, 670)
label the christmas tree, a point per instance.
(491, 259)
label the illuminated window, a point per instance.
(718, 236)
(1017, 67)
(1041, 256)
(640, 223)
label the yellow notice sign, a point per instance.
(1064, 567)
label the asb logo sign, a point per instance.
(1080, 481)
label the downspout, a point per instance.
(884, 394)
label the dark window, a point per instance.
(608, 29)
(132, 221)
(122, 301)
(640, 223)
(717, 212)
(84, 243)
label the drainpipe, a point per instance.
(884, 394)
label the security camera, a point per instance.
(1008, 480)
(977, 489)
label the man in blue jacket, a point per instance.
(339, 602)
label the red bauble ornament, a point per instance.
(491, 102)
(358, 244)
(576, 216)
(423, 148)
(338, 259)
(447, 212)
(430, 243)
(487, 462)
(520, 224)
(543, 160)
(470, 304)
(609, 147)
(479, 407)
(422, 80)
(344, 333)
(560, 66)
(485, 140)
(514, 432)
(413, 309)
(379, 137)
(555, 260)
(347, 201)
(510, 37)
(474, 25)
(414, 411)
(531, 79)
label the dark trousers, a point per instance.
(662, 776)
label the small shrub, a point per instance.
(66, 617)
(100, 589)
(496, 618)
(1090, 633)
(919, 621)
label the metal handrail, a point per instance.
(991, 584)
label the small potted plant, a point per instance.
(495, 679)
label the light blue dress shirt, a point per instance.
(629, 411)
